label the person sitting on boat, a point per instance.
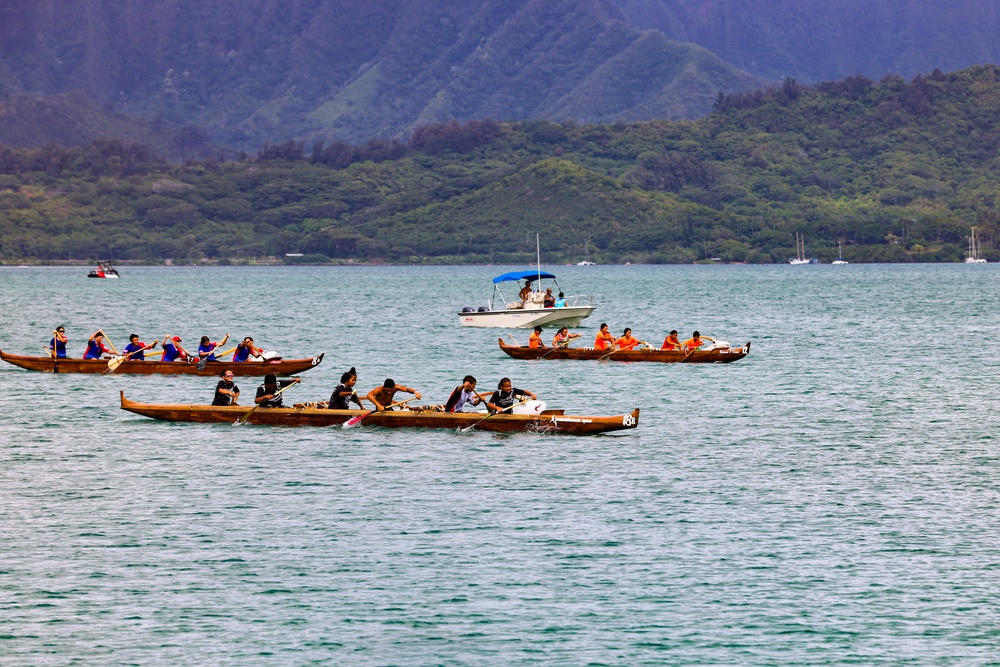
(671, 342)
(463, 394)
(549, 301)
(206, 348)
(525, 291)
(342, 396)
(626, 342)
(95, 346)
(226, 392)
(563, 337)
(604, 340)
(560, 301)
(135, 350)
(692, 343)
(535, 339)
(506, 396)
(172, 349)
(265, 397)
(57, 346)
(246, 349)
(381, 397)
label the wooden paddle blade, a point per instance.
(115, 362)
(202, 363)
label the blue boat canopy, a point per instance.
(522, 275)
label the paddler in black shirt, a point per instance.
(506, 396)
(265, 397)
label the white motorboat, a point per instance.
(531, 312)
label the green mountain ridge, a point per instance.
(893, 170)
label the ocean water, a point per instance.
(833, 498)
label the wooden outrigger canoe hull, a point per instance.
(151, 367)
(717, 356)
(550, 421)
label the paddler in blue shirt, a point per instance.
(95, 346)
(207, 348)
(172, 349)
(135, 350)
(57, 346)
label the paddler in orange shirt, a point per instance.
(604, 340)
(626, 342)
(671, 342)
(535, 339)
(692, 343)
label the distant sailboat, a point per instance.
(975, 251)
(800, 250)
(840, 255)
(586, 249)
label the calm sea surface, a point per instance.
(833, 498)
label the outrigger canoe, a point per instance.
(723, 355)
(549, 421)
(151, 367)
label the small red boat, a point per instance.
(103, 270)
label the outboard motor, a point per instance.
(468, 309)
(484, 309)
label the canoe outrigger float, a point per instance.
(151, 367)
(531, 312)
(548, 421)
(714, 355)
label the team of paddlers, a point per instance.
(100, 347)
(605, 340)
(382, 397)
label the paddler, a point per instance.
(692, 343)
(172, 349)
(246, 349)
(671, 342)
(563, 337)
(506, 396)
(135, 350)
(226, 392)
(535, 339)
(381, 397)
(342, 396)
(626, 342)
(265, 397)
(604, 340)
(463, 394)
(206, 348)
(57, 346)
(95, 346)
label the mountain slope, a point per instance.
(256, 71)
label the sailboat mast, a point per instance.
(538, 258)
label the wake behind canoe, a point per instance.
(151, 367)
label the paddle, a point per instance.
(244, 418)
(115, 362)
(469, 428)
(110, 343)
(613, 350)
(354, 421)
(514, 339)
(203, 361)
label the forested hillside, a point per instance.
(894, 170)
(251, 71)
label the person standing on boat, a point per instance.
(462, 395)
(342, 396)
(563, 337)
(95, 346)
(172, 349)
(549, 301)
(692, 343)
(535, 339)
(525, 291)
(57, 346)
(226, 392)
(135, 350)
(604, 340)
(506, 396)
(381, 397)
(245, 350)
(671, 342)
(626, 342)
(265, 397)
(206, 348)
